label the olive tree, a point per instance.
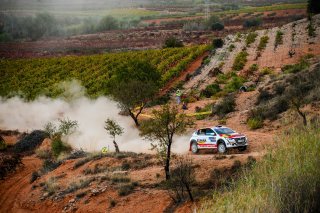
(113, 130)
(133, 86)
(164, 124)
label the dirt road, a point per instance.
(16, 187)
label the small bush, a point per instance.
(172, 42)
(125, 189)
(251, 37)
(125, 166)
(112, 203)
(120, 179)
(255, 22)
(210, 90)
(255, 123)
(217, 43)
(266, 71)
(218, 26)
(253, 68)
(231, 47)
(31, 141)
(43, 154)
(3, 145)
(240, 61)
(49, 165)
(234, 84)
(263, 43)
(294, 68)
(279, 39)
(226, 106)
(58, 147)
(34, 176)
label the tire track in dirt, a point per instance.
(15, 187)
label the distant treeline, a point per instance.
(13, 27)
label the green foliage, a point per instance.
(231, 47)
(58, 147)
(217, 26)
(113, 128)
(224, 107)
(254, 22)
(3, 144)
(263, 43)
(240, 61)
(311, 30)
(217, 43)
(172, 42)
(279, 39)
(287, 179)
(294, 68)
(255, 123)
(160, 129)
(42, 76)
(125, 189)
(211, 90)
(234, 84)
(215, 23)
(251, 37)
(108, 23)
(253, 68)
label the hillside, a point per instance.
(280, 69)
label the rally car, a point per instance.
(218, 137)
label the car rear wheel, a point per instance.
(222, 148)
(194, 147)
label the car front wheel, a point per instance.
(222, 148)
(194, 148)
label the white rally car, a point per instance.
(218, 137)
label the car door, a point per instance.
(202, 137)
(211, 138)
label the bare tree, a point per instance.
(182, 178)
(113, 130)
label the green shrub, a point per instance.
(251, 37)
(125, 189)
(31, 141)
(210, 90)
(255, 123)
(172, 42)
(255, 22)
(217, 43)
(224, 107)
(294, 68)
(217, 26)
(279, 39)
(120, 179)
(231, 47)
(58, 147)
(234, 84)
(3, 145)
(266, 71)
(253, 68)
(263, 43)
(240, 61)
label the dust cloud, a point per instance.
(16, 113)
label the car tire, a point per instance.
(222, 148)
(242, 148)
(194, 148)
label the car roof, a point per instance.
(214, 127)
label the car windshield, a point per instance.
(224, 131)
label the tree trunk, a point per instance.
(189, 192)
(303, 115)
(116, 146)
(167, 166)
(134, 117)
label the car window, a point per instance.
(210, 132)
(224, 131)
(201, 132)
